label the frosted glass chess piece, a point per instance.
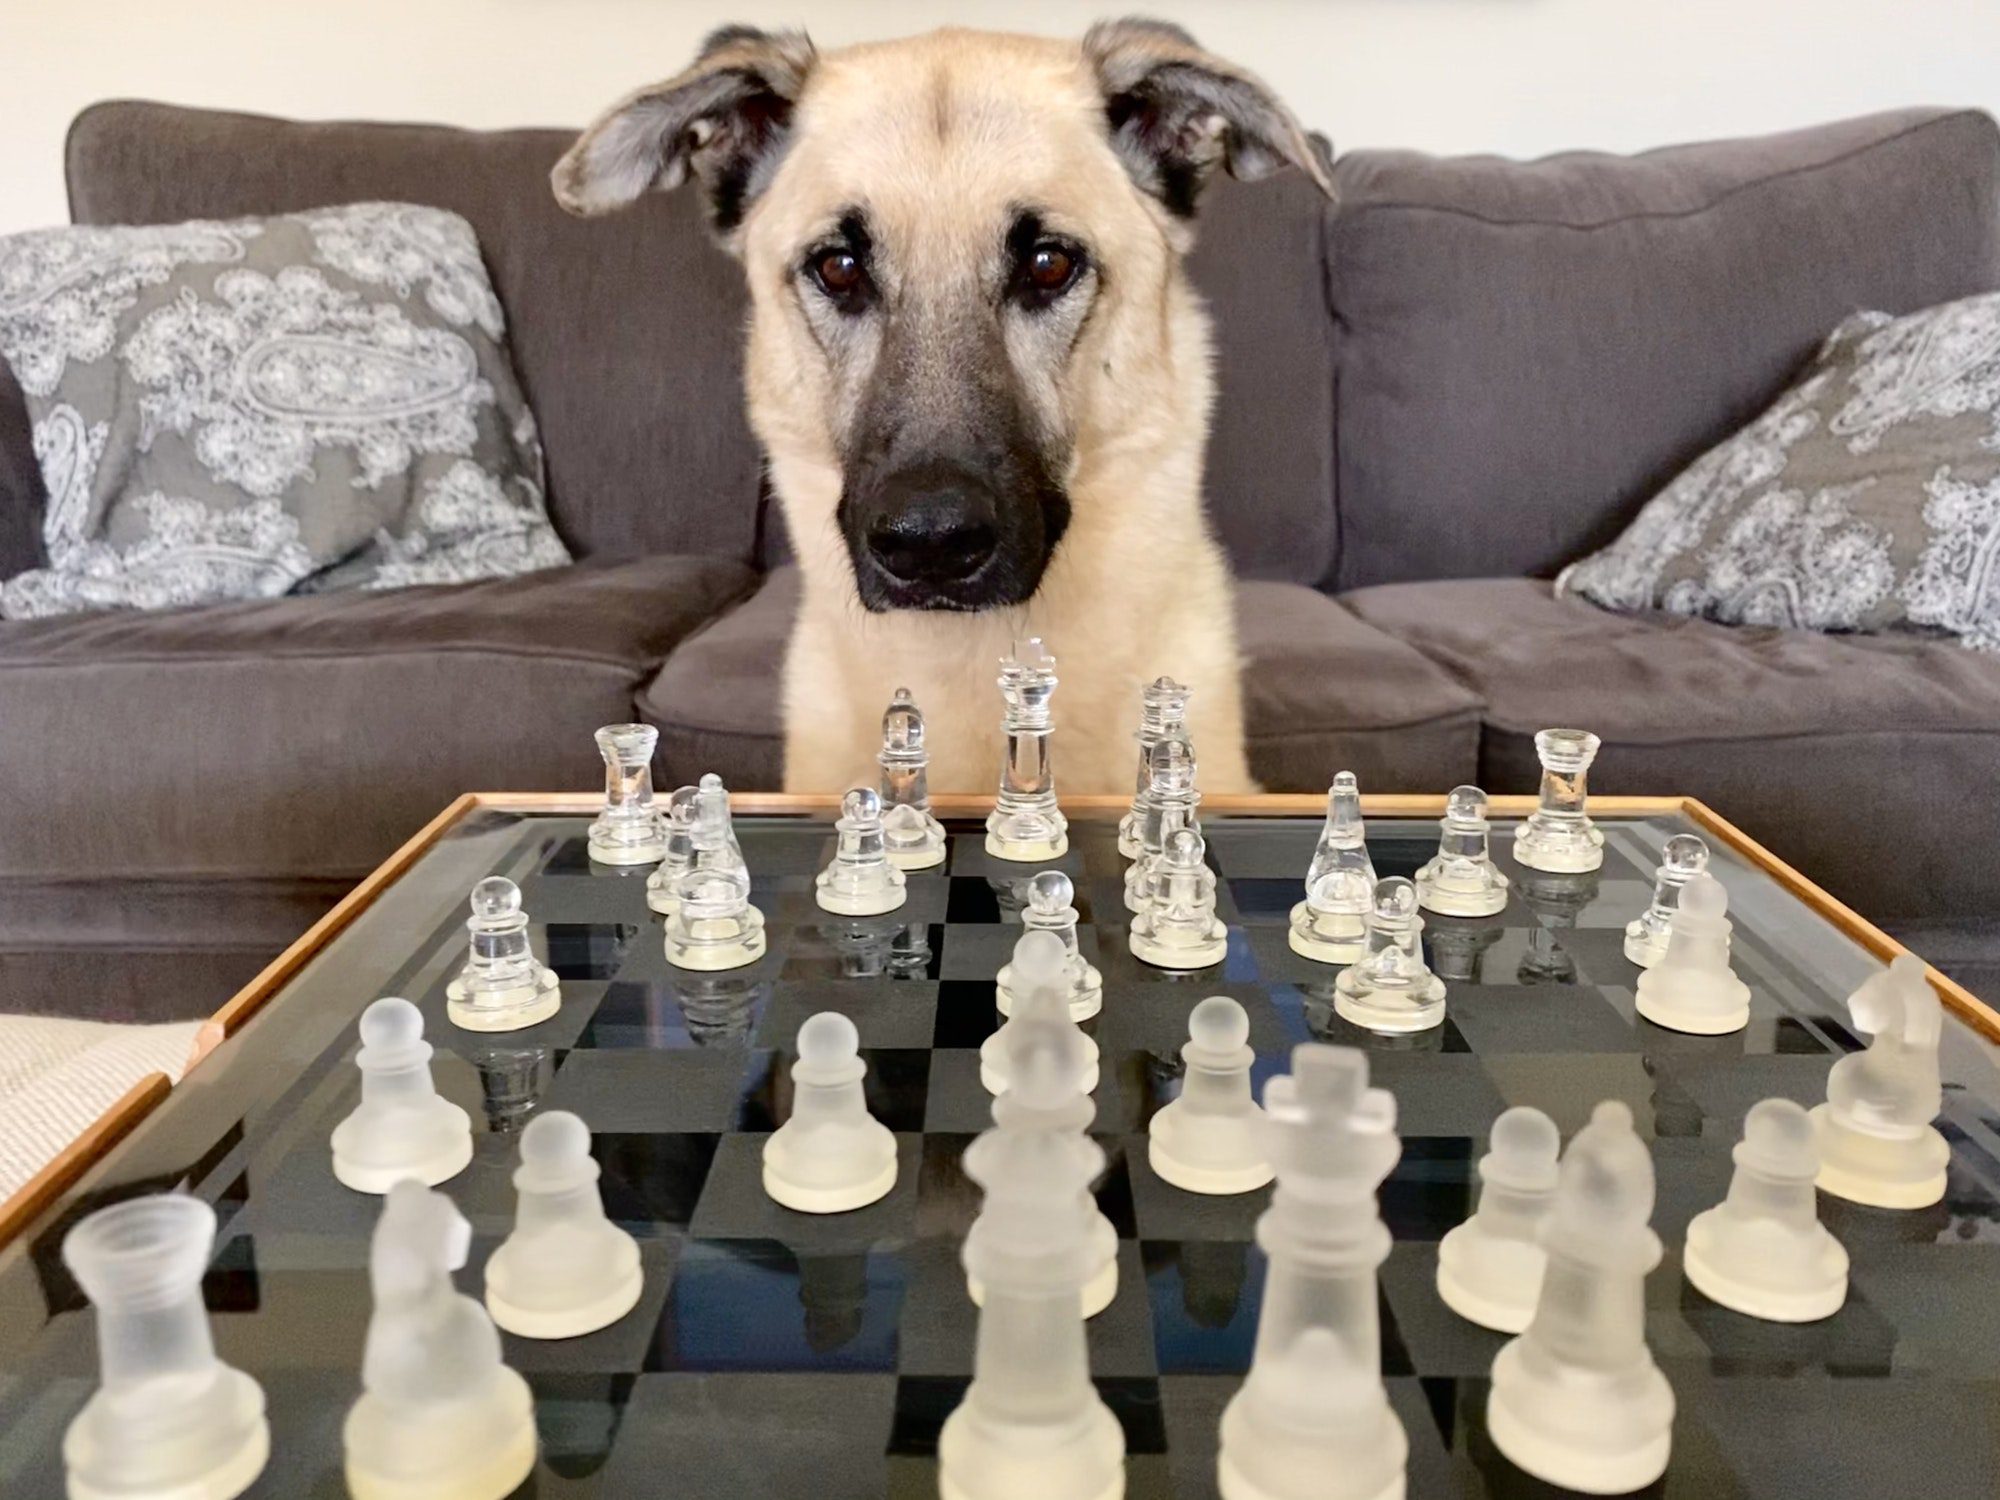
(1313, 1421)
(713, 925)
(503, 986)
(1389, 988)
(1179, 928)
(1559, 835)
(1490, 1267)
(1162, 715)
(914, 838)
(1692, 988)
(1684, 857)
(1050, 893)
(1171, 800)
(663, 886)
(1038, 976)
(1031, 1424)
(1212, 1138)
(630, 830)
(1462, 880)
(831, 1155)
(440, 1417)
(1577, 1400)
(566, 1269)
(1877, 1144)
(401, 1128)
(860, 881)
(1044, 1061)
(1762, 1251)
(1025, 823)
(167, 1418)
(1331, 925)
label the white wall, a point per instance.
(1517, 76)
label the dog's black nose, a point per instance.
(934, 524)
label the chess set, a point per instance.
(1175, 1157)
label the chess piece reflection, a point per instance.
(1458, 947)
(862, 948)
(1555, 900)
(719, 1010)
(910, 951)
(833, 1291)
(1212, 1276)
(511, 1082)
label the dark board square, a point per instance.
(640, 1091)
(651, 1182)
(719, 1011)
(757, 1305)
(966, 1013)
(729, 1435)
(877, 950)
(587, 950)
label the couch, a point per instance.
(1432, 395)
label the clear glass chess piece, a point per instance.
(630, 830)
(1576, 1400)
(1025, 823)
(713, 925)
(1171, 803)
(1762, 1251)
(1462, 880)
(1692, 988)
(402, 1127)
(1331, 925)
(566, 1270)
(1684, 857)
(503, 986)
(439, 1414)
(1211, 1139)
(914, 838)
(1049, 909)
(1179, 928)
(861, 881)
(1389, 988)
(1490, 1267)
(1876, 1140)
(1162, 715)
(664, 884)
(167, 1418)
(1312, 1420)
(831, 1155)
(1559, 835)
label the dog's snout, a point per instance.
(934, 525)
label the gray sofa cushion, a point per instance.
(1528, 350)
(1323, 691)
(1866, 763)
(310, 736)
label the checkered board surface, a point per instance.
(776, 1354)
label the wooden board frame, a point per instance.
(117, 1122)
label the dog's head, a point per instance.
(960, 248)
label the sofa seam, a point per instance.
(1817, 735)
(1724, 197)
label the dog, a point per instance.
(976, 366)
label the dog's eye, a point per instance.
(841, 276)
(1045, 271)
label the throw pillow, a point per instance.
(1866, 499)
(239, 409)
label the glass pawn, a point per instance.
(1462, 880)
(1179, 928)
(1389, 988)
(914, 839)
(1559, 835)
(1762, 1251)
(714, 926)
(168, 1417)
(503, 986)
(1490, 1267)
(1331, 925)
(860, 881)
(1049, 909)
(664, 884)
(1162, 715)
(1876, 1140)
(1684, 857)
(402, 1127)
(1025, 824)
(566, 1270)
(630, 830)
(1171, 803)
(1212, 1137)
(1692, 988)
(831, 1156)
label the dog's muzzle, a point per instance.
(939, 535)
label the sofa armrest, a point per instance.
(22, 498)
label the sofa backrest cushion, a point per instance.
(628, 329)
(1527, 351)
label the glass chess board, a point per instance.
(775, 1354)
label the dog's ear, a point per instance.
(1177, 111)
(725, 119)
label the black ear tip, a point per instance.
(728, 36)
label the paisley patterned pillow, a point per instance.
(1866, 499)
(237, 410)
